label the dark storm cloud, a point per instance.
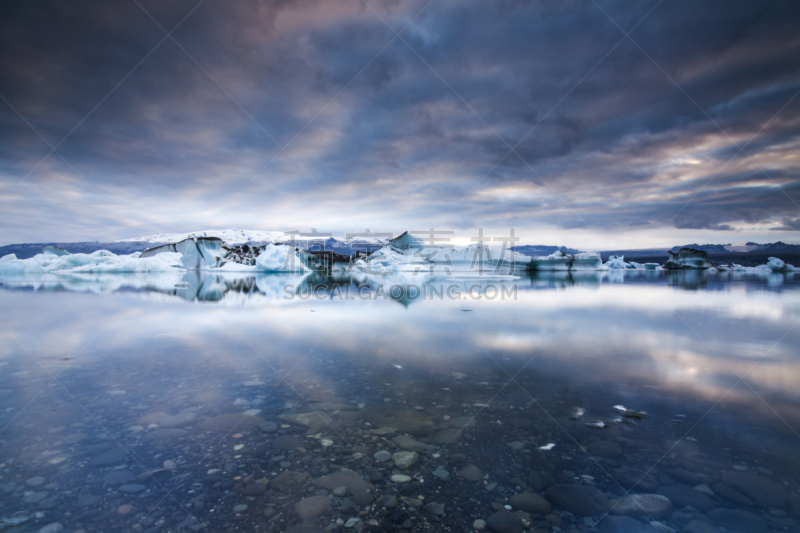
(534, 114)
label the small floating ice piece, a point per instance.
(630, 413)
(599, 424)
(577, 412)
(16, 519)
(547, 447)
(399, 367)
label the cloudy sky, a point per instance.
(593, 124)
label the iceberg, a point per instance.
(554, 261)
(280, 258)
(688, 259)
(616, 262)
(211, 253)
(560, 261)
(96, 262)
(774, 266)
(196, 253)
(244, 254)
(476, 255)
(11, 266)
(381, 262)
(732, 267)
(54, 250)
(778, 265)
(407, 253)
(116, 263)
(406, 241)
(587, 261)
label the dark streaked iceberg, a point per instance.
(688, 259)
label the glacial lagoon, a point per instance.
(596, 401)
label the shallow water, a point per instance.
(90, 367)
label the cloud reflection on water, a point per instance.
(644, 332)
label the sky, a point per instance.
(592, 124)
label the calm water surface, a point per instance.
(246, 404)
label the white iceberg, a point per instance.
(616, 262)
(97, 262)
(587, 261)
(476, 256)
(554, 261)
(210, 253)
(10, 265)
(54, 250)
(382, 262)
(196, 253)
(280, 258)
(776, 265)
(561, 261)
(407, 253)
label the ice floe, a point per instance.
(409, 254)
(96, 262)
(211, 253)
(564, 261)
(777, 265)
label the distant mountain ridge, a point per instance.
(775, 247)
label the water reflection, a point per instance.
(155, 368)
(205, 286)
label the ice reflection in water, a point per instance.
(211, 401)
